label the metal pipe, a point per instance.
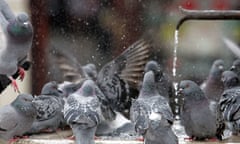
(207, 15)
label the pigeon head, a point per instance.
(148, 86)
(236, 66)
(69, 88)
(217, 69)
(230, 79)
(91, 71)
(23, 104)
(155, 67)
(20, 28)
(190, 90)
(51, 88)
(87, 89)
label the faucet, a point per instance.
(207, 15)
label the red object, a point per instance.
(39, 18)
(15, 139)
(14, 84)
(220, 4)
(189, 4)
(21, 73)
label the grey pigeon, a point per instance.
(230, 101)
(49, 105)
(163, 82)
(83, 113)
(200, 120)
(16, 118)
(236, 67)
(152, 115)
(119, 79)
(213, 86)
(19, 35)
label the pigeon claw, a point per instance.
(96, 138)
(140, 139)
(188, 138)
(21, 73)
(16, 138)
(14, 85)
(71, 137)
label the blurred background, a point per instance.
(96, 31)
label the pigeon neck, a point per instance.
(148, 91)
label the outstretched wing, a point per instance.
(129, 65)
(65, 67)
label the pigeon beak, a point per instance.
(232, 68)
(220, 67)
(179, 91)
(60, 90)
(26, 24)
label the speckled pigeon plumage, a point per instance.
(16, 118)
(152, 115)
(49, 105)
(200, 120)
(230, 101)
(18, 31)
(213, 86)
(83, 113)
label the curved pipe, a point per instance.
(207, 15)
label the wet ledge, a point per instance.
(61, 137)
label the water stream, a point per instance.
(174, 71)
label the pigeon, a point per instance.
(200, 119)
(19, 35)
(230, 101)
(163, 82)
(83, 113)
(236, 67)
(16, 118)
(213, 86)
(49, 105)
(152, 115)
(119, 79)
